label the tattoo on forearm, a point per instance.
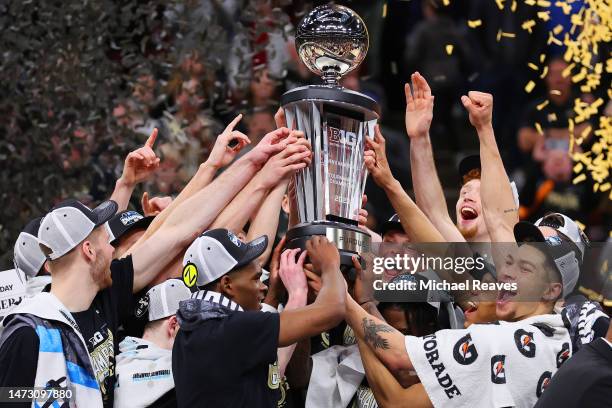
(371, 330)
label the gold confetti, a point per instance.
(384, 11)
(542, 57)
(539, 128)
(568, 70)
(585, 133)
(557, 30)
(579, 76)
(513, 7)
(528, 25)
(474, 23)
(579, 224)
(555, 92)
(500, 4)
(579, 179)
(567, 9)
(553, 40)
(533, 66)
(543, 3)
(542, 105)
(449, 49)
(446, 2)
(544, 72)
(530, 2)
(595, 187)
(529, 87)
(508, 35)
(544, 15)
(578, 168)
(499, 33)
(605, 187)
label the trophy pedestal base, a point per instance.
(350, 240)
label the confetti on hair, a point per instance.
(555, 92)
(530, 2)
(543, 3)
(605, 187)
(553, 40)
(542, 57)
(513, 7)
(558, 29)
(384, 11)
(474, 23)
(500, 4)
(449, 49)
(529, 87)
(533, 66)
(446, 2)
(508, 35)
(542, 105)
(578, 167)
(544, 72)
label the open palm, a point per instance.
(419, 106)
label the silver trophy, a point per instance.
(331, 40)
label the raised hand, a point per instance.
(292, 272)
(375, 159)
(141, 163)
(419, 106)
(480, 107)
(294, 157)
(222, 154)
(363, 289)
(279, 118)
(276, 290)
(272, 143)
(324, 255)
(155, 205)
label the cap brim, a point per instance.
(391, 226)
(105, 211)
(527, 232)
(255, 248)
(141, 224)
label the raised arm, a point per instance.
(139, 165)
(220, 156)
(387, 391)
(417, 226)
(384, 341)
(425, 181)
(196, 214)
(292, 274)
(282, 165)
(328, 309)
(499, 208)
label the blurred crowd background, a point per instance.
(84, 82)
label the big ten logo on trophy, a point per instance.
(339, 136)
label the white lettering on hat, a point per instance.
(234, 239)
(130, 217)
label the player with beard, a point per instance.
(499, 359)
(68, 336)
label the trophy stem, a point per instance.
(331, 76)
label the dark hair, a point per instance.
(422, 318)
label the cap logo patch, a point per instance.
(234, 239)
(130, 217)
(142, 306)
(190, 275)
(553, 241)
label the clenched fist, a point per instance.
(480, 107)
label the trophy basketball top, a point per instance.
(332, 40)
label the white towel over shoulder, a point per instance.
(491, 365)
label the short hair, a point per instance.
(473, 174)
